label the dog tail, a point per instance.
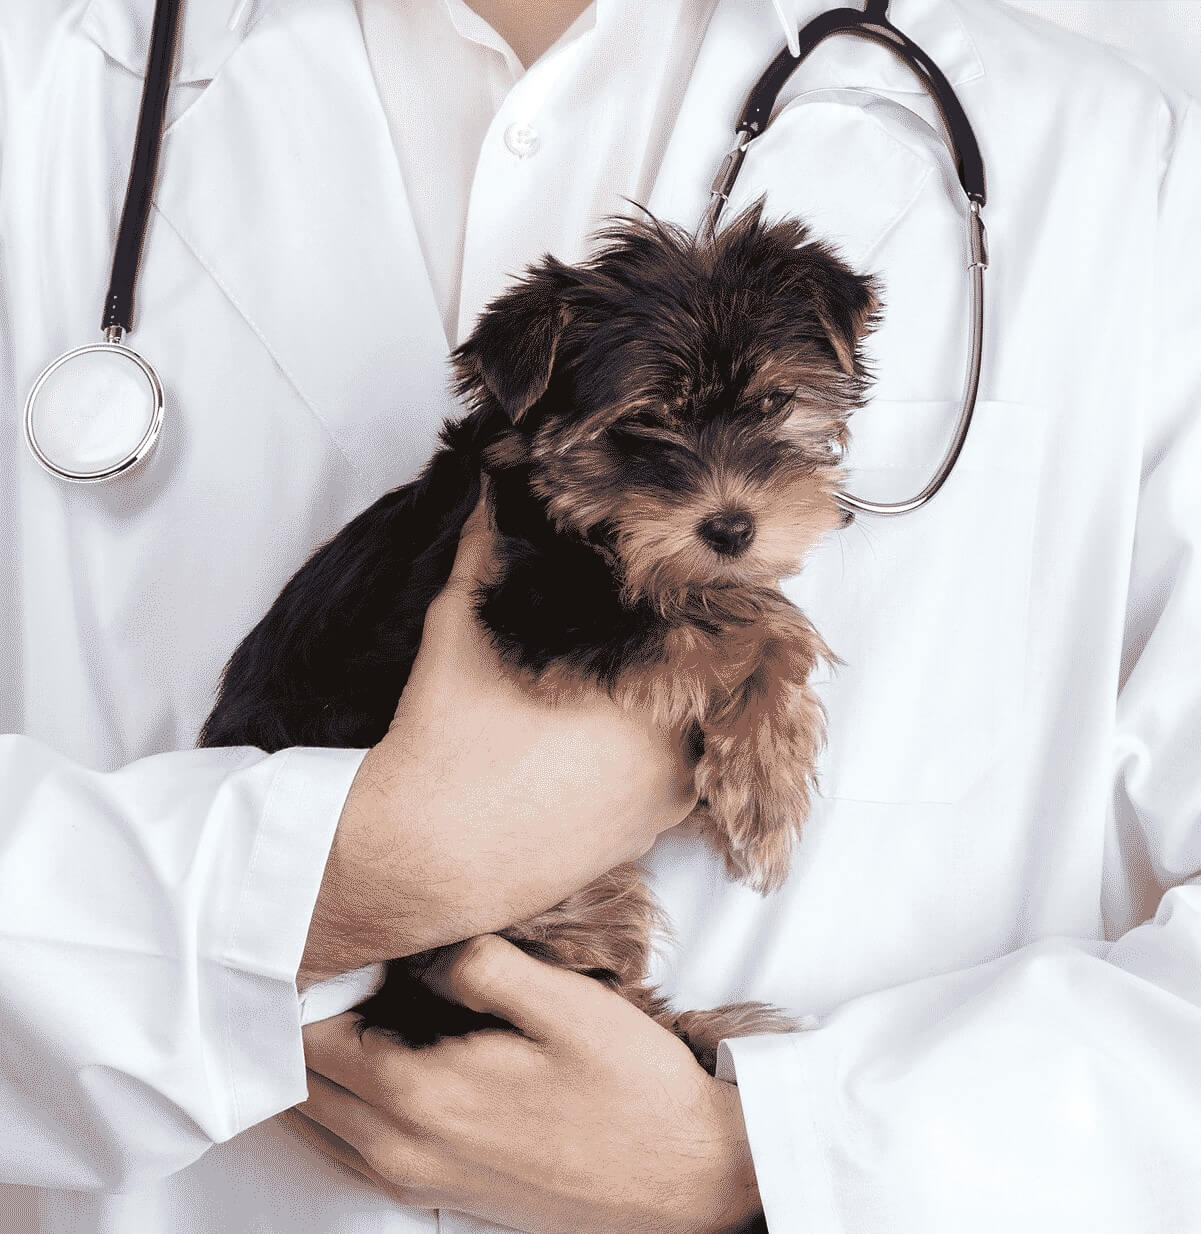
(327, 663)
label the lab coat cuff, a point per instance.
(789, 1104)
(270, 926)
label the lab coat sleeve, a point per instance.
(1057, 1088)
(152, 921)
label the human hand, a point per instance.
(485, 805)
(590, 1118)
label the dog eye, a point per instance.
(776, 401)
(640, 422)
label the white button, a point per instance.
(522, 139)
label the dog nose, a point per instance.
(728, 533)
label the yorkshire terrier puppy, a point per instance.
(660, 429)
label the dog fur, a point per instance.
(658, 431)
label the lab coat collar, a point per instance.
(214, 29)
(934, 25)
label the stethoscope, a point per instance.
(97, 412)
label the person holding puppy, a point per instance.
(990, 922)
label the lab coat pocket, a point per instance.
(854, 203)
(927, 611)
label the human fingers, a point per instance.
(365, 1063)
(354, 1121)
(450, 628)
(471, 556)
(378, 1151)
(470, 566)
(491, 975)
(327, 1144)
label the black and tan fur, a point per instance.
(660, 428)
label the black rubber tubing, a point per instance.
(118, 303)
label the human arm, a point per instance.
(509, 803)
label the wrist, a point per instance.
(361, 913)
(730, 1187)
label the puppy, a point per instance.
(660, 431)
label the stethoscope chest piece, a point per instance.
(94, 413)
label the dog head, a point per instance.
(681, 402)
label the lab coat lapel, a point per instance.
(283, 182)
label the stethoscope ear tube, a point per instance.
(872, 23)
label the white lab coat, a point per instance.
(995, 917)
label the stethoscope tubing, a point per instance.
(135, 214)
(871, 22)
(863, 505)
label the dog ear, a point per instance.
(510, 353)
(846, 304)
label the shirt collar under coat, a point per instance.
(213, 30)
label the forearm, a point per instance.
(406, 870)
(730, 1202)
(364, 914)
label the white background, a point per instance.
(1165, 34)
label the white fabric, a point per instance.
(994, 916)
(151, 924)
(1163, 35)
(608, 90)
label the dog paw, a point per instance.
(756, 799)
(701, 1031)
(756, 775)
(764, 863)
